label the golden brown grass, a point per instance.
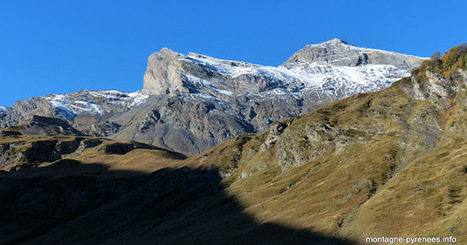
(137, 160)
(393, 176)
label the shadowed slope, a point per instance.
(74, 203)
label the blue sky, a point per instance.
(61, 46)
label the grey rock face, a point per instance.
(190, 103)
(162, 77)
(338, 52)
(437, 86)
(86, 110)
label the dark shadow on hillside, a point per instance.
(74, 203)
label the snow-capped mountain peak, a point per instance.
(330, 69)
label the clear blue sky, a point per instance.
(61, 46)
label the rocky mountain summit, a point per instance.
(338, 52)
(190, 103)
(326, 70)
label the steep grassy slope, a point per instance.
(389, 163)
(109, 192)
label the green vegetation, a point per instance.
(444, 65)
(404, 81)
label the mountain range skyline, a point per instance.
(62, 47)
(185, 98)
(333, 40)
